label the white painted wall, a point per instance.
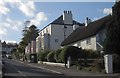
(84, 45)
(38, 44)
(56, 33)
(46, 41)
(29, 47)
(33, 47)
(49, 35)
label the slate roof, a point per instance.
(60, 21)
(81, 33)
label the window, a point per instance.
(56, 40)
(46, 30)
(79, 44)
(88, 41)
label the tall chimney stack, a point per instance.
(87, 21)
(67, 17)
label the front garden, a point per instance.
(82, 59)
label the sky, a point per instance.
(13, 14)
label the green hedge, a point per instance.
(88, 53)
(57, 55)
(72, 51)
(116, 63)
(42, 56)
(50, 57)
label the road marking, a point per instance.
(42, 68)
(45, 69)
(17, 70)
(21, 73)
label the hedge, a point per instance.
(42, 56)
(50, 57)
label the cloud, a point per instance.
(39, 18)
(3, 31)
(10, 41)
(12, 24)
(27, 8)
(107, 11)
(3, 9)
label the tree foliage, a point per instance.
(112, 41)
(72, 51)
(28, 36)
(50, 57)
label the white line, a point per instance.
(21, 73)
(46, 69)
(17, 69)
(42, 68)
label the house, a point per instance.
(91, 36)
(30, 52)
(0, 46)
(51, 36)
(8, 47)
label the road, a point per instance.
(15, 69)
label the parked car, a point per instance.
(9, 56)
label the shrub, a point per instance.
(50, 57)
(62, 56)
(91, 53)
(99, 65)
(116, 63)
(57, 55)
(42, 56)
(72, 51)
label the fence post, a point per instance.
(108, 63)
(68, 62)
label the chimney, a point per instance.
(75, 26)
(87, 21)
(67, 17)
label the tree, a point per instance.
(112, 41)
(28, 36)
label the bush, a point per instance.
(62, 55)
(99, 65)
(116, 63)
(50, 57)
(72, 51)
(91, 53)
(57, 55)
(42, 56)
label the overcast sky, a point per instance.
(14, 14)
